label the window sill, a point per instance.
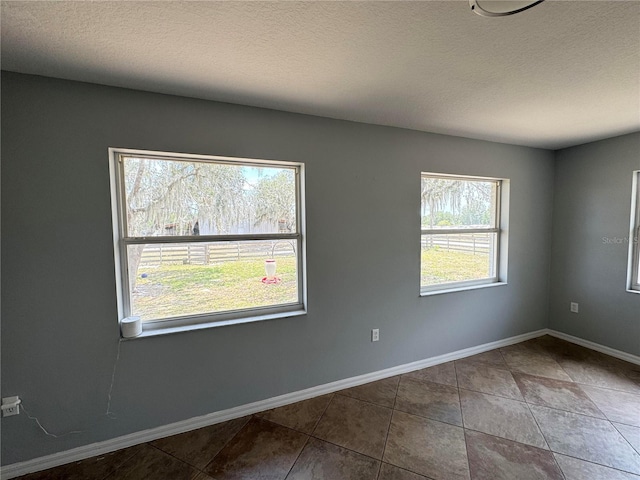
(461, 289)
(637, 292)
(152, 330)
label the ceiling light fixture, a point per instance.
(501, 8)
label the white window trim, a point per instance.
(205, 320)
(633, 273)
(502, 239)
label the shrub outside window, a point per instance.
(204, 239)
(461, 232)
(634, 240)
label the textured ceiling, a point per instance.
(560, 74)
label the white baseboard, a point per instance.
(596, 346)
(101, 448)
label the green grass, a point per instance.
(172, 290)
(441, 266)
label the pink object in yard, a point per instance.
(271, 281)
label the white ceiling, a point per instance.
(560, 74)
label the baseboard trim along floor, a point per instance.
(100, 448)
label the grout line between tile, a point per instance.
(345, 448)
(306, 442)
(116, 470)
(455, 370)
(379, 468)
(606, 419)
(562, 368)
(563, 410)
(323, 414)
(249, 417)
(335, 444)
(122, 463)
(259, 415)
(464, 430)
(555, 460)
(407, 470)
(625, 438)
(315, 425)
(466, 449)
(510, 440)
(285, 426)
(560, 453)
(594, 463)
(607, 388)
(544, 437)
(428, 418)
(522, 399)
(386, 438)
(172, 456)
(360, 400)
(582, 459)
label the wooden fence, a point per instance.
(206, 253)
(476, 243)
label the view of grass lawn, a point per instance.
(172, 290)
(440, 266)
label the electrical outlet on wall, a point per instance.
(375, 334)
(10, 406)
(574, 307)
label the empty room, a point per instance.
(359, 240)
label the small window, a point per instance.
(634, 237)
(204, 239)
(461, 232)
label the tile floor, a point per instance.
(541, 409)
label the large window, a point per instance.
(461, 232)
(634, 240)
(204, 239)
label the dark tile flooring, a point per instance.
(541, 409)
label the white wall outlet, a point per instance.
(10, 406)
(375, 334)
(574, 307)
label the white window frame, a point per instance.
(210, 319)
(500, 229)
(633, 273)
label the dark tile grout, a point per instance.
(115, 470)
(310, 436)
(529, 404)
(386, 438)
(458, 388)
(293, 464)
(618, 430)
(393, 409)
(464, 430)
(381, 461)
(323, 412)
(366, 401)
(546, 441)
(149, 444)
(594, 463)
(248, 417)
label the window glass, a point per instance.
(174, 279)
(169, 197)
(460, 231)
(206, 238)
(452, 203)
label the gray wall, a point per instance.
(59, 322)
(592, 204)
